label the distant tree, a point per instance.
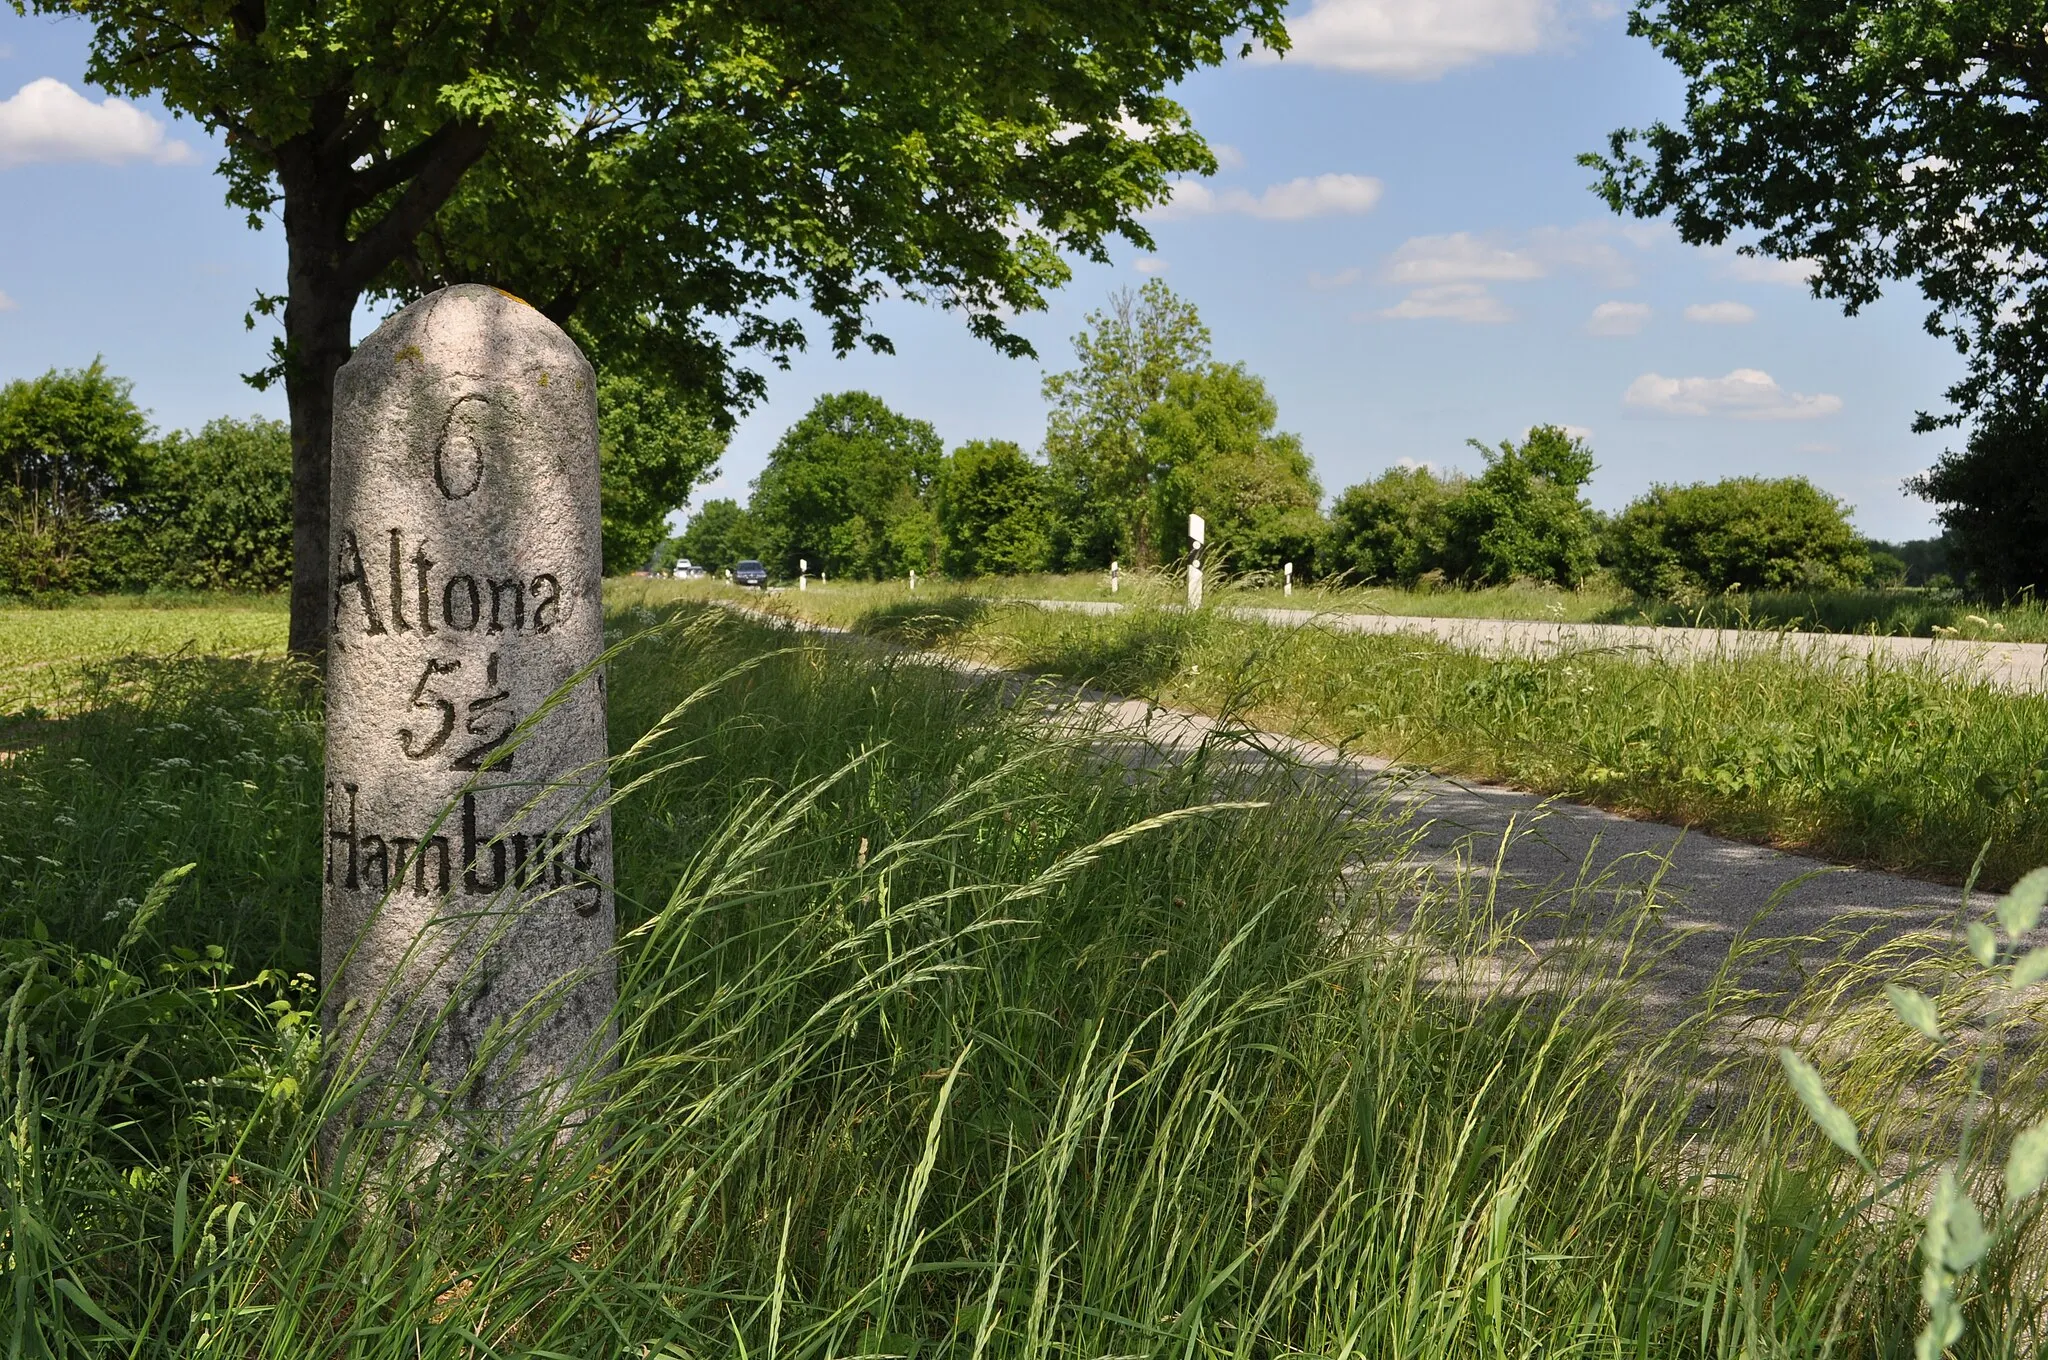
(718, 535)
(1742, 533)
(845, 489)
(1887, 571)
(73, 450)
(1927, 560)
(216, 506)
(1104, 474)
(1523, 517)
(993, 510)
(1211, 441)
(670, 175)
(653, 449)
(1993, 495)
(1393, 528)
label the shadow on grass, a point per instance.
(1135, 653)
(924, 623)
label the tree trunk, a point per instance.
(319, 302)
(317, 342)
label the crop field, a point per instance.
(934, 1042)
(51, 658)
(1894, 766)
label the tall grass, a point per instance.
(1892, 764)
(936, 1037)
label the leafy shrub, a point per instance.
(1741, 533)
(216, 509)
(993, 510)
(1523, 518)
(73, 447)
(1393, 528)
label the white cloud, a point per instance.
(1721, 313)
(1459, 258)
(1415, 40)
(1468, 302)
(1329, 283)
(1757, 269)
(1227, 157)
(1618, 318)
(7, 304)
(1298, 198)
(1149, 264)
(1745, 394)
(47, 120)
(1467, 257)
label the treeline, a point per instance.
(1147, 427)
(93, 499)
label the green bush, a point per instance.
(1523, 518)
(1393, 528)
(73, 449)
(1741, 533)
(993, 510)
(844, 490)
(215, 512)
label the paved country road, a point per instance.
(1541, 855)
(2018, 666)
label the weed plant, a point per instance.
(937, 1037)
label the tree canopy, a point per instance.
(845, 488)
(1212, 440)
(1095, 435)
(1869, 144)
(653, 449)
(992, 506)
(682, 179)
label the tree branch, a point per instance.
(432, 183)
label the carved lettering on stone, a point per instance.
(468, 863)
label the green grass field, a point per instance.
(934, 1042)
(1888, 765)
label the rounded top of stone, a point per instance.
(471, 327)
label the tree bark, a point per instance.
(319, 302)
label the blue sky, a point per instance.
(1400, 243)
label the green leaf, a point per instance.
(2019, 911)
(1834, 1121)
(2026, 1166)
(2031, 968)
(1983, 944)
(1915, 1009)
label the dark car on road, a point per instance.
(750, 573)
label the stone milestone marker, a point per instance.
(467, 919)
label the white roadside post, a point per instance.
(1112, 575)
(913, 583)
(803, 573)
(1197, 533)
(1287, 578)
